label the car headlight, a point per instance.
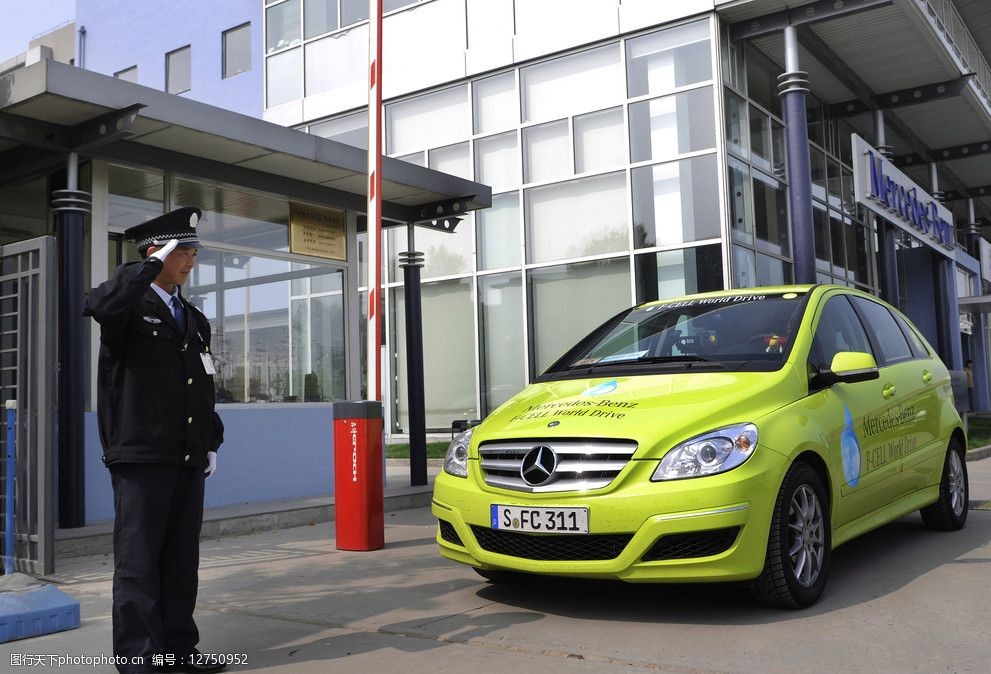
(456, 459)
(714, 452)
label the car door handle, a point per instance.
(927, 376)
(888, 390)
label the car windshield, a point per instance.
(738, 332)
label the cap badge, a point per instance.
(193, 219)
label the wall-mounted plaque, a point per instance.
(316, 231)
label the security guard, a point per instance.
(160, 436)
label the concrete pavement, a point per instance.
(285, 600)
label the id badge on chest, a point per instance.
(208, 363)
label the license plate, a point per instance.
(540, 520)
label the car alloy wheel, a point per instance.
(806, 538)
(956, 483)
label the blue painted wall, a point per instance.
(122, 34)
(259, 461)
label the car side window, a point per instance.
(891, 341)
(839, 329)
(918, 346)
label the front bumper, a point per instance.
(724, 519)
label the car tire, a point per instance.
(799, 544)
(949, 512)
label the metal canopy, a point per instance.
(861, 56)
(50, 108)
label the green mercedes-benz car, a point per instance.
(731, 436)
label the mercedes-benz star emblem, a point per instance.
(538, 465)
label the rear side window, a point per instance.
(839, 329)
(890, 338)
(918, 346)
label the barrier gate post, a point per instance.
(359, 516)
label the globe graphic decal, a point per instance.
(850, 451)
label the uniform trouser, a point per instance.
(158, 511)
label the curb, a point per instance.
(979, 453)
(99, 539)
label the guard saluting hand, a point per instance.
(160, 436)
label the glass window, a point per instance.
(839, 329)
(771, 214)
(817, 166)
(815, 120)
(271, 343)
(673, 273)
(673, 202)
(449, 394)
(918, 346)
(820, 229)
(737, 121)
(453, 159)
(585, 81)
(317, 338)
(778, 160)
(741, 220)
(431, 120)
(237, 50)
(496, 106)
(599, 141)
(238, 218)
(669, 58)
(498, 232)
(128, 74)
(319, 16)
(890, 338)
(497, 161)
(445, 253)
(350, 129)
(418, 158)
(134, 196)
(178, 70)
(760, 138)
(546, 152)
(856, 255)
(500, 324)
(762, 80)
(734, 70)
(592, 211)
(283, 76)
(772, 271)
(838, 245)
(665, 127)
(331, 67)
(283, 26)
(834, 186)
(604, 289)
(744, 267)
(24, 210)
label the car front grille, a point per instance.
(560, 547)
(692, 544)
(580, 465)
(448, 533)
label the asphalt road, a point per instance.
(901, 599)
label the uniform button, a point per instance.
(189, 420)
(154, 333)
(187, 457)
(189, 381)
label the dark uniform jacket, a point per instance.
(155, 398)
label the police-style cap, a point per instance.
(179, 224)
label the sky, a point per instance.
(22, 20)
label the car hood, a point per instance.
(657, 411)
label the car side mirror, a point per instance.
(848, 367)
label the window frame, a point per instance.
(223, 50)
(168, 67)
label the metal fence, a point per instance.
(27, 375)
(947, 22)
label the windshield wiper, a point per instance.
(673, 359)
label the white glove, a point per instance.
(211, 458)
(164, 251)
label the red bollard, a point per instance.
(358, 501)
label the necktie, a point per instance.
(179, 313)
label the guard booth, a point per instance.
(83, 157)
